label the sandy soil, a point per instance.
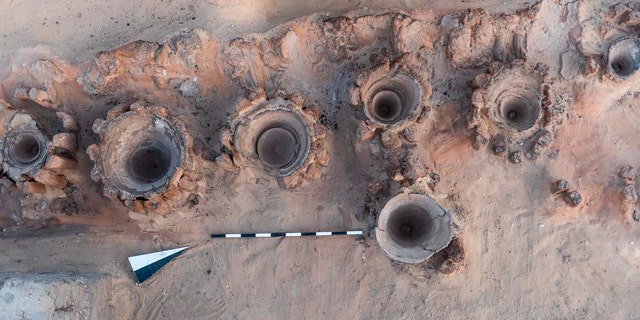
(78, 30)
(528, 253)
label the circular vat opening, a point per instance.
(26, 149)
(387, 105)
(392, 99)
(142, 154)
(149, 162)
(276, 138)
(278, 147)
(518, 110)
(623, 58)
(410, 225)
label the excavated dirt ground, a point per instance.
(527, 252)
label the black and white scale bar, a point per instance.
(287, 234)
(146, 265)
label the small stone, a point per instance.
(497, 150)
(187, 183)
(571, 62)
(292, 181)
(531, 155)
(137, 207)
(480, 81)
(424, 114)
(365, 132)
(225, 162)
(515, 157)
(559, 186)
(43, 98)
(628, 173)
(56, 163)
(575, 34)
(454, 257)
(499, 145)
(396, 174)
(537, 150)
(157, 205)
(68, 122)
(447, 267)
(50, 178)
(151, 204)
(33, 187)
(632, 19)
(320, 131)
(636, 215)
(21, 93)
(374, 188)
(591, 67)
(163, 208)
(544, 139)
(193, 199)
(572, 198)
(172, 193)
(410, 173)
(566, 258)
(478, 141)
(41, 205)
(450, 22)
(410, 134)
(189, 88)
(354, 96)
(65, 141)
(629, 193)
(390, 140)
(323, 157)
(127, 202)
(313, 173)
(434, 178)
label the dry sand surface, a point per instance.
(525, 246)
